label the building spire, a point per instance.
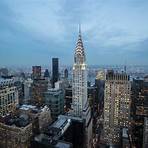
(79, 51)
(79, 29)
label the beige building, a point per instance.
(8, 96)
(16, 130)
(15, 137)
(116, 105)
(43, 115)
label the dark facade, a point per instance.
(69, 131)
(39, 87)
(4, 72)
(46, 74)
(55, 71)
(139, 110)
(66, 73)
(68, 98)
(36, 72)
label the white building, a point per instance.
(80, 103)
(79, 80)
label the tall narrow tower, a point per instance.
(80, 104)
(55, 71)
(79, 81)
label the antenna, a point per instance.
(125, 68)
(79, 28)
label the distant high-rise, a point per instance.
(116, 106)
(46, 74)
(66, 73)
(4, 72)
(27, 90)
(36, 72)
(39, 87)
(55, 71)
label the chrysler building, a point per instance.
(79, 81)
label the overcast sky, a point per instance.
(34, 31)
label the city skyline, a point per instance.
(114, 32)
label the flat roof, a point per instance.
(59, 123)
(5, 81)
(27, 107)
(125, 132)
(63, 144)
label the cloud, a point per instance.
(48, 28)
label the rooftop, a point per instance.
(125, 133)
(63, 144)
(27, 107)
(5, 81)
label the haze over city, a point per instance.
(34, 31)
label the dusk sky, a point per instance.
(34, 31)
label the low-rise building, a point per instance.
(18, 128)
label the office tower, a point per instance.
(20, 87)
(139, 108)
(80, 104)
(116, 105)
(66, 73)
(39, 87)
(68, 98)
(8, 97)
(46, 74)
(36, 72)
(27, 90)
(4, 72)
(145, 133)
(54, 99)
(99, 83)
(55, 71)
(79, 79)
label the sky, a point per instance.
(113, 31)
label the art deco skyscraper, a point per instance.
(80, 104)
(116, 106)
(79, 83)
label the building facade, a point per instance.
(145, 133)
(80, 103)
(39, 87)
(79, 79)
(66, 73)
(116, 106)
(139, 109)
(27, 90)
(54, 99)
(8, 96)
(36, 72)
(55, 71)
(15, 137)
